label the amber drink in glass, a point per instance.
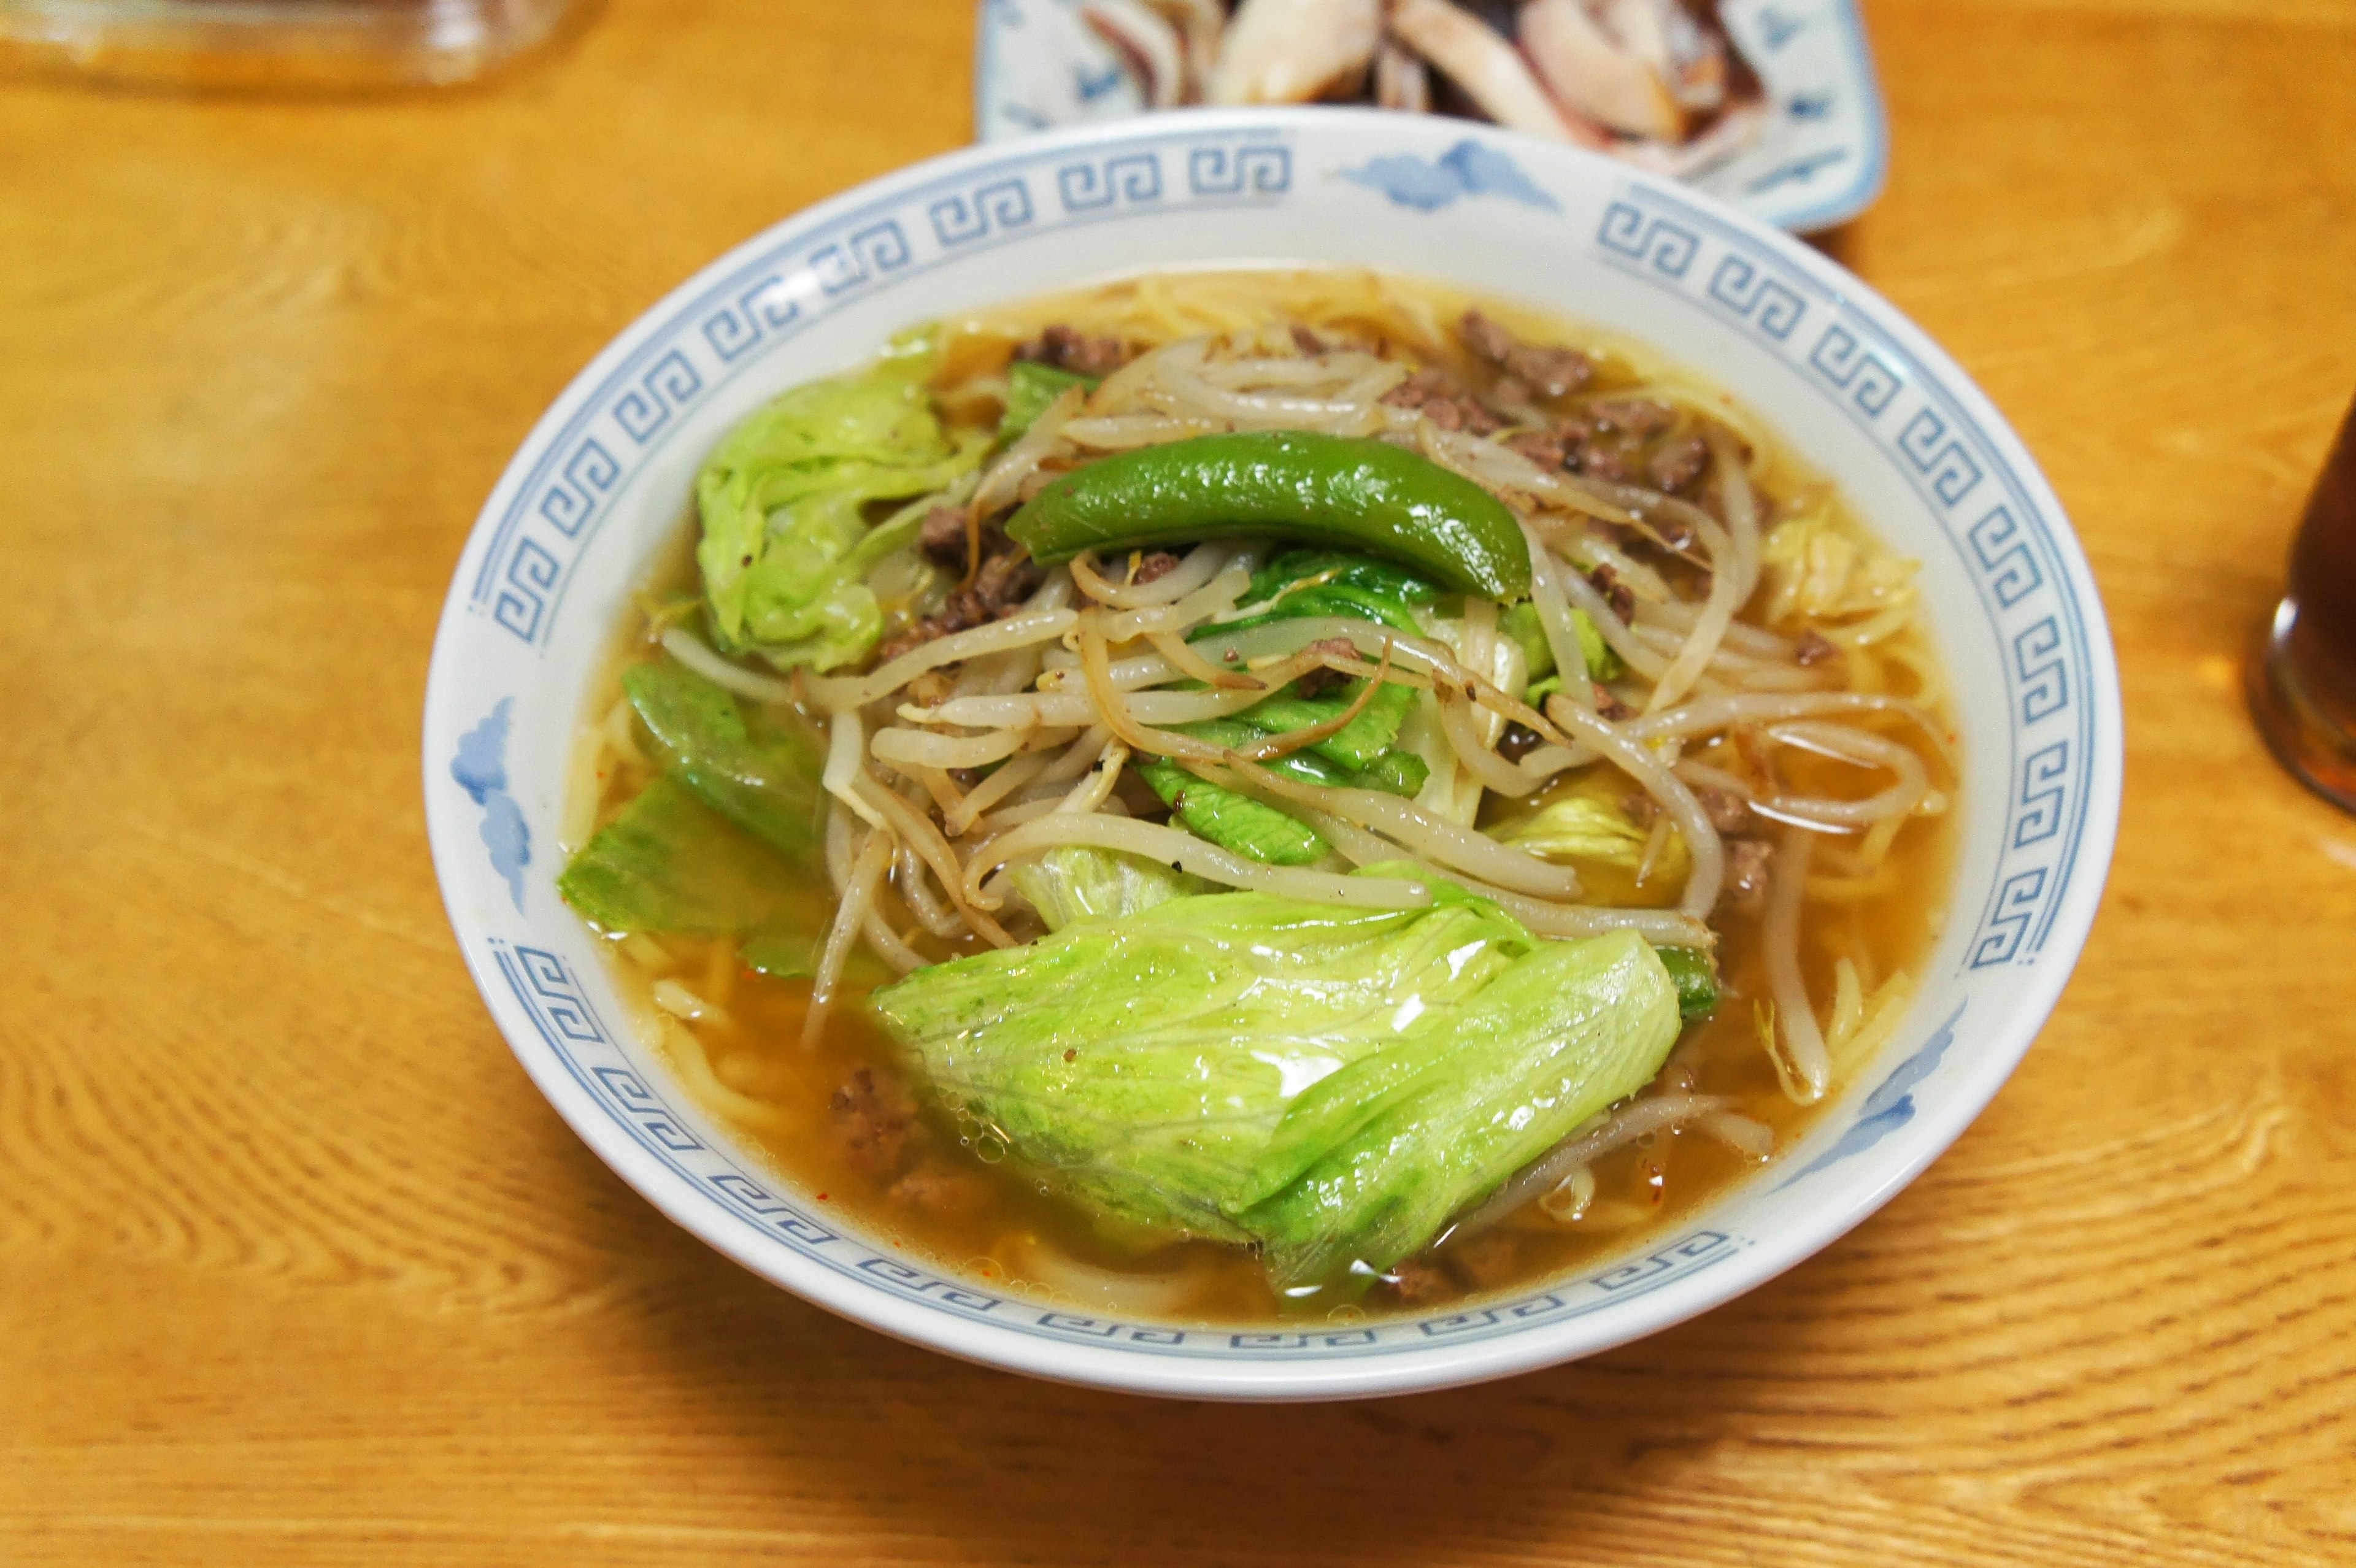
(2303, 681)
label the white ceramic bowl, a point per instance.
(1862, 394)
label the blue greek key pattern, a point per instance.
(2043, 791)
(1953, 470)
(642, 409)
(1272, 1339)
(1132, 177)
(530, 577)
(2003, 553)
(1665, 247)
(589, 474)
(763, 308)
(2044, 680)
(2016, 907)
(1084, 1327)
(1840, 359)
(866, 254)
(628, 1090)
(2001, 537)
(1001, 205)
(1745, 287)
(1251, 169)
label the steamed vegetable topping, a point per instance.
(670, 863)
(761, 772)
(1305, 769)
(1322, 489)
(725, 841)
(1329, 1082)
(787, 539)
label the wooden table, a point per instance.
(296, 1266)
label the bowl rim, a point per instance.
(1443, 1363)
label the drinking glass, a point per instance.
(272, 43)
(2302, 681)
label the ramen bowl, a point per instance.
(600, 487)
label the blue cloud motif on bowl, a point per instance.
(1466, 169)
(1888, 1107)
(481, 769)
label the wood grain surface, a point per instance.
(297, 1268)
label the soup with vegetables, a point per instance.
(1235, 795)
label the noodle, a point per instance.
(865, 870)
(1804, 1065)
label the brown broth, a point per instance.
(958, 1199)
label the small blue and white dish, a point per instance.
(1859, 392)
(1819, 157)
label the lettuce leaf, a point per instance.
(1331, 1083)
(759, 771)
(670, 863)
(1231, 819)
(1520, 622)
(1076, 882)
(784, 502)
(1579, 827)
(1031, 389)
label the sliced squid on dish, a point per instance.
(1651, 82)
(1147, 43)
(1596, 74)
(1491, 71)
(1729, 133)
(1402, 81)
(1689, 60)
(1290, 51)
(1200, 25)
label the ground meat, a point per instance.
(1540, 447)
(1486, 1260)
(1602, 457)
(1815, 648)
(1642, 808)
(943, 536)
(937, 1189)
(1318, 681)
(1640, 417)
(1519, 741)
(1068, 348)
(1676, 463)
(1616, 593)
(1748, 862)
(873, 1122)
(1007, 578)
(963, 611)
(1728, 812)
(1446, 402)
(1548, 372)
(1161, 563)
(1610, 706)
(1307, 341)
(1412, 1281)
